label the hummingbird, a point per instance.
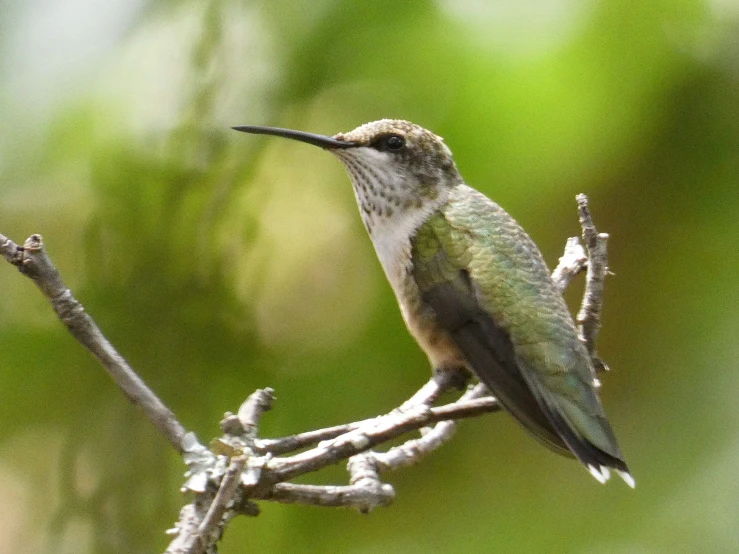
(473, 288)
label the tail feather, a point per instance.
(595, 460)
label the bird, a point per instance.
(472, 286)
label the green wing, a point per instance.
(490, 289)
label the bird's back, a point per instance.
(490, 289)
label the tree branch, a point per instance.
(32, 261)
(588, 317)
(440, 382)
(572, 262)
(332, 495)
(413, 451)
(377, 431)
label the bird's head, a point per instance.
(395, 166)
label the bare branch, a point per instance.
(572, 262)
(200, 527)
(364, 476)
(32, 261)
(251, 411)
(441, 382)
(413, 451)
(292, 443)
(211, 528)
(351, 496)
(588, 317)
(246, 422)
(461, 409)
(377, 431)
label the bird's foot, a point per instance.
(448, 378)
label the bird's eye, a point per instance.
(394, 142)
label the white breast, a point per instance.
(392, 242)
(391, 238)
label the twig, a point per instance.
(202, 525)
(202, 521)
(441, 382)
(572, 262)
(461, 409)
(32, 261)
(251, 412)
(588, 317)
(333, 496)
(364, 477)
(413, 451)
(245, 423)
(211, 528)
(378, 431)
(285, 445)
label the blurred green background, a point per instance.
(218, 263)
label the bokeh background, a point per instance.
(219, 263)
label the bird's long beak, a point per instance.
(317, 140)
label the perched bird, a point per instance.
(472, 286)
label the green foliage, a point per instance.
(219, 263)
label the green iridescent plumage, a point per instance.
(497, 279)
